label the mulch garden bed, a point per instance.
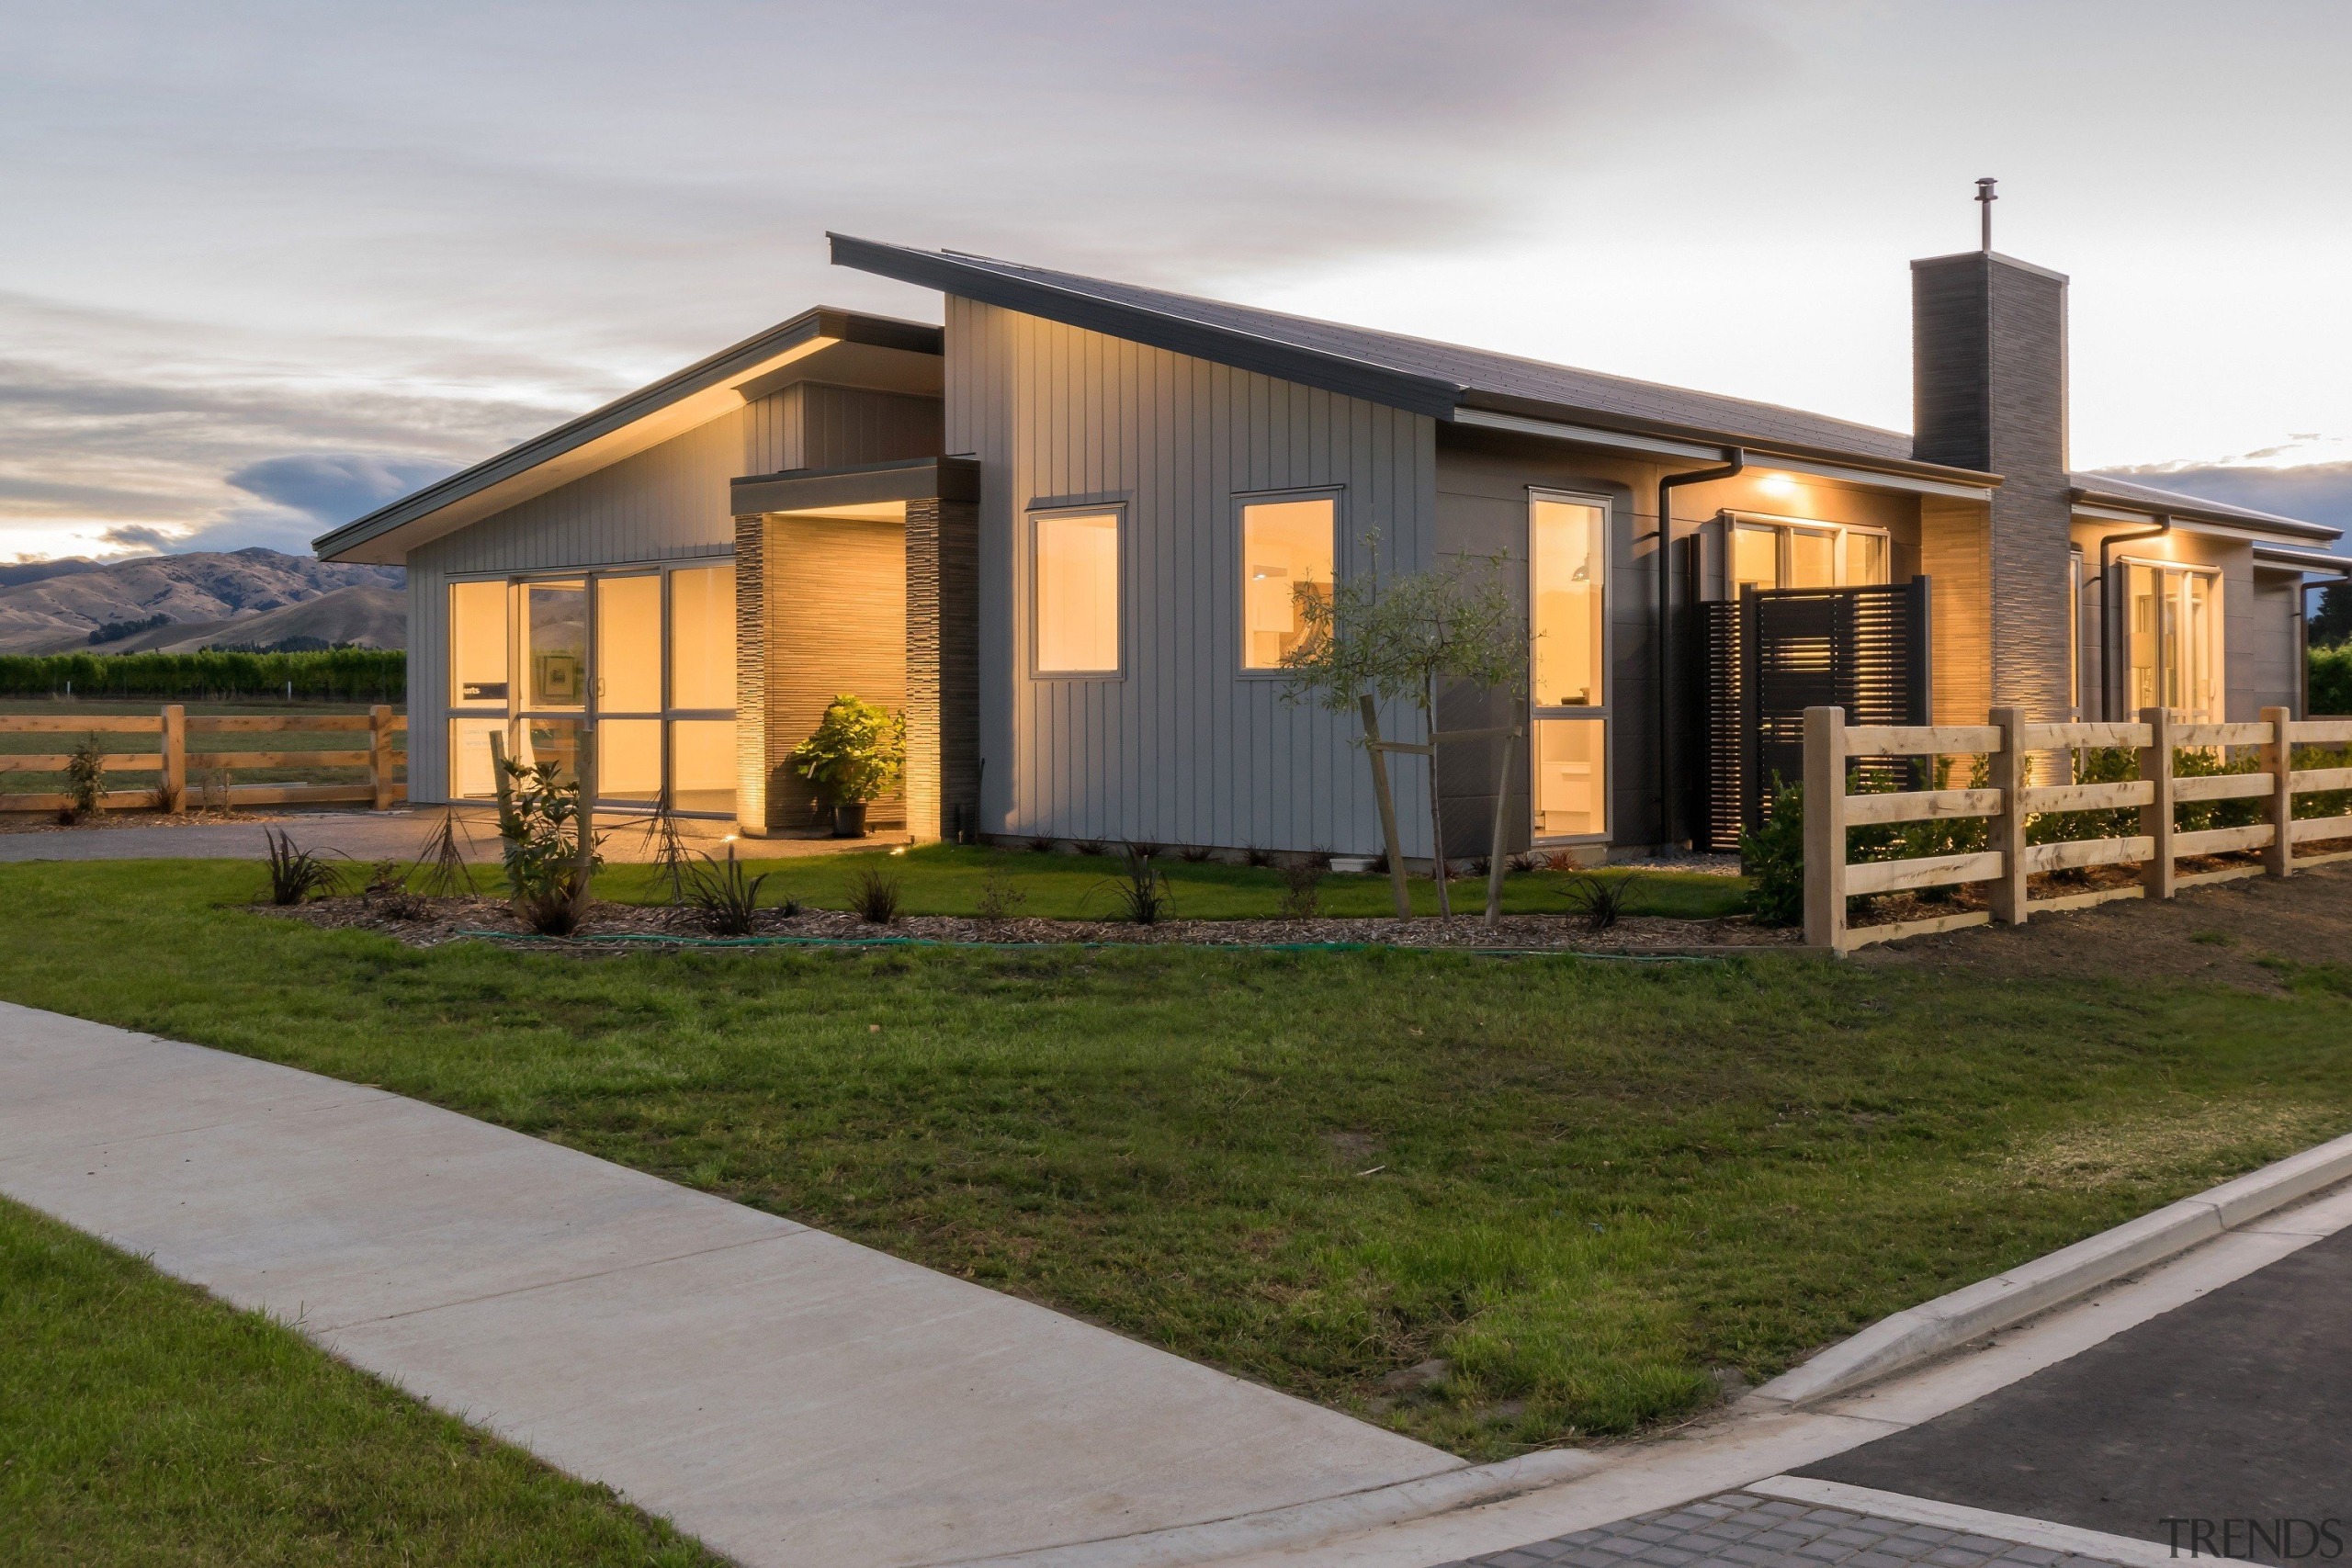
(427, 922)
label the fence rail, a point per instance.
(209, 743)
(2007, 798)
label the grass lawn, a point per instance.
(946, 879)
(143, 1422)
(1586, 1185)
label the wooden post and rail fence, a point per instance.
(215, 746)
(2009, 799)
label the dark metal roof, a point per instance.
(729, 365)
(1413, 373)
(2136, 497)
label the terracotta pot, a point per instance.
(849, 820)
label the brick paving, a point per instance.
(1738, 1531)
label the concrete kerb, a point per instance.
(1216, 1540)
(1923, 1332)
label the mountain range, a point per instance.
(249, 596)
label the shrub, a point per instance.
(1257, 856)
(1773, 857)
(85, 779)
(2331, 679)
(295, 875)
(2098, 764)
(343, 674)
(2324, 803)
(1142, 891)
(1041, 846)
(1301, 889)
(1195, 853)
(1522, 862)
(874, 893)
(1088, 846)
(724, 901)
(550, 847)
(858, 752)
(1598, 901)
(1000, 899)
(2196, 816)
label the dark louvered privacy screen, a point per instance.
(1771, 654)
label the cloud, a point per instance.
(2315, 492)
(333, 488)
(138, 536)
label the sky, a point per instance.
(269, 265)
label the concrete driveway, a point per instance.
(792, 1398)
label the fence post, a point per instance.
(379, 753)
(2006, 831)
(2156, 873)
(2279, 761)
(1824, 829)
(175, 749)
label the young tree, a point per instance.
(1371, 639)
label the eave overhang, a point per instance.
(801, 347)
(865, 485)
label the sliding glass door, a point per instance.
(2172, 640)
(643, 657)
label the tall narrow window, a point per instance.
(1569, 600)
(628, 644)
(1286, 554)
(478, 644)
(1568, 618)
(1074, 570)
(558, 653)
(2075, 632)
(2142, 584)
(702, 637)
(1865, 557)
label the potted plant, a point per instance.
(857, 755)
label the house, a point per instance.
(1061, 533)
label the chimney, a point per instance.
(1988, 379)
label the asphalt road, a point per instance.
(2237, 1406)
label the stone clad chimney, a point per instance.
(1988, 369)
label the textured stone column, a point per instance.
(942, 667)
(751, 677)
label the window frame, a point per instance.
(1603, 712)
(1783, 529)
(1242, 501)
(1033, 518)
(516, 713)
(2217, 612)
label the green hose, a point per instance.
(664, 939)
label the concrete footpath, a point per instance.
(789, 1397)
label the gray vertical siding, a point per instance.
(1184, 749)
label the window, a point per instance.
(2075, 632)
(557, 655)
(1767, 554)
(652, 671)
(628, 644)
(1571, 782)
(1568, 600)
(702, 637)
(1568, 597)
(478, 644)
(1074, 573)
(2172, 640)
(1287, 555)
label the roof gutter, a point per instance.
(2106, 631)
(1918, 480)
(1734, 464)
